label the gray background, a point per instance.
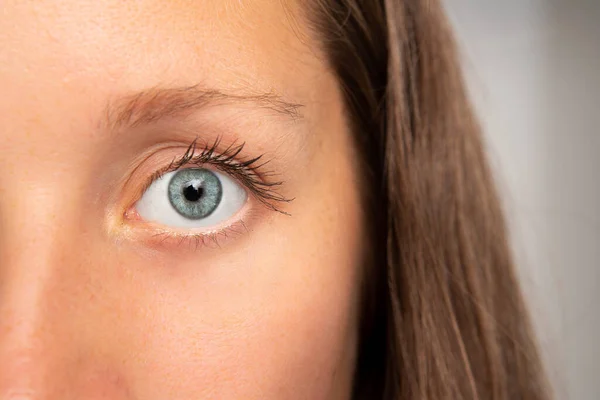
(533, 69)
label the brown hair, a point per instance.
(444, 317)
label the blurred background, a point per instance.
(533, 69)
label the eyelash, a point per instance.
(197, 240)
(248, 171)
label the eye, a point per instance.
(192, 198)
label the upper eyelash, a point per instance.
(247, 171)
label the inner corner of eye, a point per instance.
(131, 214)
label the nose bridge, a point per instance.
(36, 339)
(36, 217)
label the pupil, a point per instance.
(193, 192)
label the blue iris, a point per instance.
(195, 193)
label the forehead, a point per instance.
(116, 45)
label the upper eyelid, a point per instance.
(210, 155)
(224, 159)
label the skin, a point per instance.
(92, 306)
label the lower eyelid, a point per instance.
(160, 237)
(163, 240)
(194, 241)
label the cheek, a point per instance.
(271, 316)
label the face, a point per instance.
(179, 209)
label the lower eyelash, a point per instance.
(196, 240)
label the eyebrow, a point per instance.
(152, 105)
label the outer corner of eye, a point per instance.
(191, 198)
